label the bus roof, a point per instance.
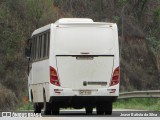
(79, 21)
(42, 29)
(72, 22)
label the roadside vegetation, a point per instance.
(149, 104)
(26, 106)
(138, 22)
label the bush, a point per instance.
(8, 99)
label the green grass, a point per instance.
(152, 104)
(28, 106)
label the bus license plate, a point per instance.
(84, 58)
(85, 92)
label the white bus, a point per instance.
(74, 62)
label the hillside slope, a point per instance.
(138, 22)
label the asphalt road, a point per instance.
(116, 113)
(83, 118)
(80, 115)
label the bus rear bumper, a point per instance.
(81, 101)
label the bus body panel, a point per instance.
(39, 80)
(85, 72)
(77, 92)
(85, 39)
(40, 72)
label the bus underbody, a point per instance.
(103, 104)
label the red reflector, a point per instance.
(53, 77)
(57, 91)
(112, 91)
(115, 77)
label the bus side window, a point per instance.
(44, 48)
(48, 45)
(34, 52)
(40, 47)
(37, 41)
(32, 48)
(35, 46)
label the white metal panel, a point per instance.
(74, 40)
(40, 80)
(73, 72)
(40, 71)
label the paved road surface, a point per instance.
(85, 118)
(80, 115)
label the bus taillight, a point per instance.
(115, 77)
(54, 77)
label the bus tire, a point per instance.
(100, 110)
(37, 108)
(55, 110)
(89, 110)
(108, 110)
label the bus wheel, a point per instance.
(100, 110)
(55, 110)
(37, 108)
(89, 110)
(47, 106)
(108, 110)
